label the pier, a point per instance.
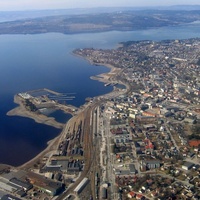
(46, 94)
(43, 91)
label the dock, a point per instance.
(43, 91)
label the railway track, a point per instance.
(90, 151)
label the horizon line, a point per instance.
(106, 7)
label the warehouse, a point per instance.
(44, 184)
(81, 185)
(21, 184)
(104, 193)
(7, 187)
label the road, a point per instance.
(169, 132)
(110, 157)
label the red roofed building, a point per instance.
(131, 194)
(194, 143)
(149, 147)
(139, 196)
(118, 156)
(148, 114)
(148, 144)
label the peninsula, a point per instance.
(33, 104)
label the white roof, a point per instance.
(81, 184)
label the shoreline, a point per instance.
(21, 111)
(104, 77)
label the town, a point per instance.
(138, 142)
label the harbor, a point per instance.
(37, 104)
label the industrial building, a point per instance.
(104, 193)
(81, 185)
(9, 197)
(62, 165)
(46, 185)
(15, 182)
(21, 184)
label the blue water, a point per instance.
(60, 116)
(30, 62)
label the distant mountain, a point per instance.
(31, 14)
(98, 22)
(184, 7)
(19, 15)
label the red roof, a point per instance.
(194, 143)
(117, 156)
(132, 194)
(139, 196)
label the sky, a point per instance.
(11, 5)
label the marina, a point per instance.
(48, 96)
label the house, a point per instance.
(131, 195)
(154, 194)
(139, 196)
(187, 165)
(132, 169)
(137, 146)
(148, 114)
(194, 143)
(150, 164)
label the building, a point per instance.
(131, 194)
(104, 193)
(15, 181)
(77, 151)
(9, 197)
(187, 165)
(74, 166)
(145, 119)
(57, 166)
(46, 185)
(132, 169)
(21, 184)
(139, 196)
(150, 164)
(51, 168)
(194, 143)
(81, 186)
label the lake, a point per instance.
(30, 62)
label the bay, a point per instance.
(30, 62)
